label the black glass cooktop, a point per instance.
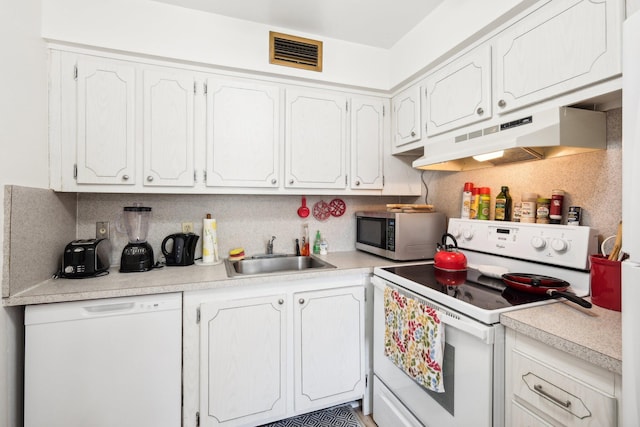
(469, 286)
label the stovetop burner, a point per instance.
(476, 289)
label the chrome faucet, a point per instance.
(270, 245)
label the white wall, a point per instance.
(24, 159)
(160, 29)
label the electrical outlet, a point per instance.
(102, 230)
(187, 227)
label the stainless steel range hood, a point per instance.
(546, 134)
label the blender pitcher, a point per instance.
(137, 255)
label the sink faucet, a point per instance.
(270, 245)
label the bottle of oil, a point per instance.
(503, 205)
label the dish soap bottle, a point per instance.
(316, 243)
(503, 205)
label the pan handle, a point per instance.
(582, 302)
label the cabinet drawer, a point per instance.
(562, 397)
(388, 411)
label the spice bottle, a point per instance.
(503, 205)
(517, 211)
(555, 210)
(484, 206)
(475, 203)
(542, 210)
(466, 200)
(528, 211)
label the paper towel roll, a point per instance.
(209, 241)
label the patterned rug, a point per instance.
(337, 416)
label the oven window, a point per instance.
(372, 231)
(446, 399)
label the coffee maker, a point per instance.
(137, 255)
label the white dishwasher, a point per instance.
(104, 363)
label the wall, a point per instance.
(24, 160)
(592, 181)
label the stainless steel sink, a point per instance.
(273, 264)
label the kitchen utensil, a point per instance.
(337, 207)
(181, 251)
(494, 271)
(538, 284)
(137, 255)
(448, 257)
(303, 211)
(613, 256)
(321, 211)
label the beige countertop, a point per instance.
(180, 279)
(593, 335)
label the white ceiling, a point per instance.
(379, 23)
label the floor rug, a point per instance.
(337, 416)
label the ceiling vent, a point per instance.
(297, 52)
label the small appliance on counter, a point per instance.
(137, 255)
(86, 258)
(181, 250)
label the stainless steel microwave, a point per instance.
(400, 236)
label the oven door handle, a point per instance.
(483, 332)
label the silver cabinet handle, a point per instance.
(502, 103)
(480, 111)
(413, 133)
(539, 389)
(125, 177)
(149, 178)
(274, 181)
(301, 300)
(280, 301)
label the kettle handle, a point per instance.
(444, 242)
(164, 243)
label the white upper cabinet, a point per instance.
(168, 128)
(560, 47)
(367, 142)
(407, 116)
(459, 94)
(243, 134)
(316, 139)
(105, 120)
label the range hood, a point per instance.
(551, 133)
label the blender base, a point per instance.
(136, 257)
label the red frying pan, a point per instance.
(538, 284)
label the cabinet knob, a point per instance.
(291, 181)
(125, 177)
(301, 300)
(280, 301)
(357, 183)
(502, 103)
(274, 181)
(413, 133)
(149, 178)
(480, 111)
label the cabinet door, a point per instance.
(558, 48)
(407, 116)
(316, 140)
(367, 143)
(105, 122)
(168, 128)
(328, 347)
(243, 134)
(242, 361)
(460, 93)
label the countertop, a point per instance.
(593, 335)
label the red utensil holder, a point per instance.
(605, 283)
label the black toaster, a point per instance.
(86, 258)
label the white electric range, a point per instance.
(470, 309)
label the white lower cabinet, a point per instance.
(547, 387)
(257, 357)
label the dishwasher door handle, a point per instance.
(110, 308)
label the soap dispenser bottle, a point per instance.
(316, 243)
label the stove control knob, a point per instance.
(538, 242)
(456, 233)
(559, 245)
(467, 234)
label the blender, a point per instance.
(137, 255)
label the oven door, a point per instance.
(473, 370)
